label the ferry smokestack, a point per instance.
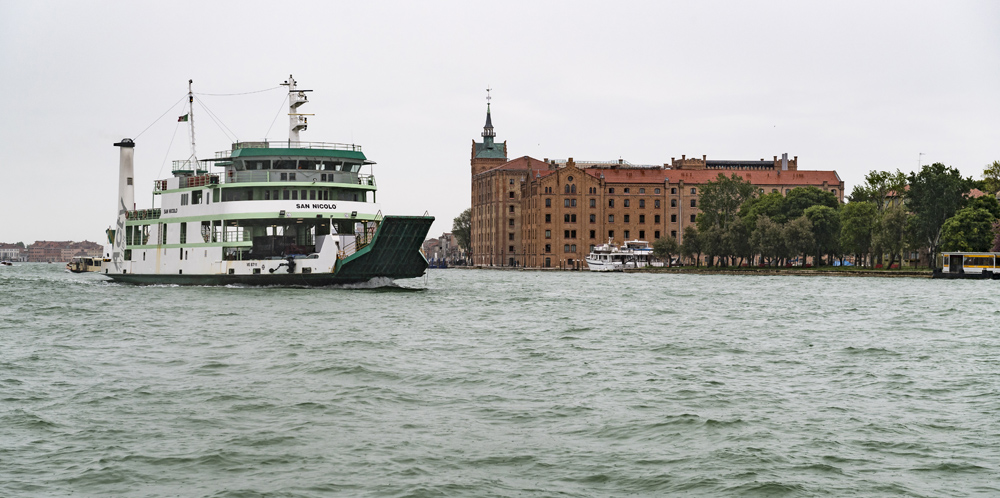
(126, 200)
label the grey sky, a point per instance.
(850, 86)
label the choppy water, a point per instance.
(489, 383)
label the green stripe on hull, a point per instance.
(276, 279)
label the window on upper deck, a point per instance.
(196, 197)
(308, 164)
(256, 164)
(284, 164)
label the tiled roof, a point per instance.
(756, 177)
(660, 175)
(524, 163)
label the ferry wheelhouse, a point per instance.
(263, 213)
(984, 265)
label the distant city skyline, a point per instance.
(851, 87)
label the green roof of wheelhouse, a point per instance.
(272, 152)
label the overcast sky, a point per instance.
(848, 86)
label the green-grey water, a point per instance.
(500, 383)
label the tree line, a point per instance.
(889, 215)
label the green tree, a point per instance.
(857, 226)
(766, 239)
(996, 236)
(890, 232)
(719, 200)
(737, 236)
(770, 205)
(798, 237)
(825, 222)
(713, 243)
(936, 193)
(970, 230)
(664, 248)
(991, 178)
(691, 246)
(987, 202)
(878, 187)
(801, 198)
(461, 228)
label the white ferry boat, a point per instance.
(285, 213)
(610, 257)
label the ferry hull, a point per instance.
(278, 280)
(394, 253)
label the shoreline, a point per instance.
(799, 272)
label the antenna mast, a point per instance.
(296, 121)
(194, 155)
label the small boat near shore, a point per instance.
(85, 264)
(611, 257)
(969, 265)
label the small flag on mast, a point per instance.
(182, 119)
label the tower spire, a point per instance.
(488, 133)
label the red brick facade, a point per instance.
(527, 212)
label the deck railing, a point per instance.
(198, 181)
(287, 144)
(143, 214)
(361, 239)
(307, 176)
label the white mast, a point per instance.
(194, 157)
(296, 121)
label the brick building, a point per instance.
(550, 213)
